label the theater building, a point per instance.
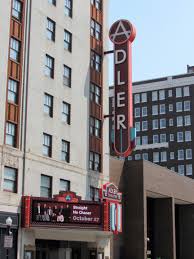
(52, 134)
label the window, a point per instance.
(49, 66)
(162, 123)
(97, 4)
(171, 137)
(94, 194)
(137, 126)
(53, 2)
(162, 94)
(187, 120)
(48, 104)
(155, 139)
(187, 105)
(67, 76)
(162, 109)
(162, 138)
(188, 153)
(144, 125)
(144, 140)
(95, 93)
(154, 109)
(155, 124)
(47, 145)
(170, 93)
(178, 92)
(65, 151)
(144, 111)
(96, 30)
(187, 136)
(145, 156)
(12, 91)
(66, 112)
(155, 157)
(171, 122)
(179, 120)
(95, 127)
(154, 96)
(137, 112)
(67, 40)
(17, 10)
(179, 136)
(10, 179)
(171, 155)
(14, 50)
(186, 91)
(181, 169)
(137, 98)
(189, 169)
(64, 185)
(46, 186)
(50, 29)
(95, 162)
(181, 154)
(170, 107)
(10, 134)
(130, 158)
(163, 156)
(137, 156)
(138, 141)
(96, 61)
(179, 107)
(68, 7)
(144, 97)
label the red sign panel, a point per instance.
(122, 34)
(111, 193)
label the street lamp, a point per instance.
(9, 233)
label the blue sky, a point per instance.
(164, 44)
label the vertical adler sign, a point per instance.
(122, 34)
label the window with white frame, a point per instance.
(96, 61)
(144, 140)
(137, 112)
(155, 124)
(154, 109)
(178, 92)
(97, 4)
(66, 112)
(67, 40)
(144, 111)
(145, 156)
(154, 96)
(144, 97)
(170, 107)
(95, 127)
(156, 157)
(162, 94)
(180, 154)
(138, 140)
(65, 150)
(49, 66)
(179, 106)
(48, 104)
(95, 93)
(181, 169)
(137, 126)
(171, 122)
(13, 91)
(95, 162)
(171, 137)
(94, 194)
(47, 145)
(171, 155)
(46, 186)
(155, 139)
(137, 156)
(67, 76)
(137, 98)
(68, 7)
(50, 30)
(170, 93)
(189, 169)
(187, 120)
(187, 106)
(186, 91)
(17, 10)
(162, 138)
(180, 137)
(53, 2)
(64, 185)
(162, 109)
(179, 121)
(10, 179)
(189, 153)
(10, 138)
(96, 29)
(144, 125)
(187, 136)
(163, 156)
(14, 53)
(163, 123)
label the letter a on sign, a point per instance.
(122, 34)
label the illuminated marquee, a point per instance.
(122, 34)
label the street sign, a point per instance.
(8, 241)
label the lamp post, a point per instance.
(9, 233)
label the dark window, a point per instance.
(95, 93)
(47, 145)
(67, 40)
(12, 91)
(65, 151)
(46, 186)
(67, 76)
(50, 29)
(10, 134)
(64, 185)
(97, 4)
(68, 7)
(94, 194)
(95, 127)
(48, 104)
(49, 66)
(17, 10)
(95, 162)
(10, 179)
(66, 112)
(96, 30)
(53, 2)
(15, 49)
(96, 61)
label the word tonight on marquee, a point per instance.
(120, 58)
